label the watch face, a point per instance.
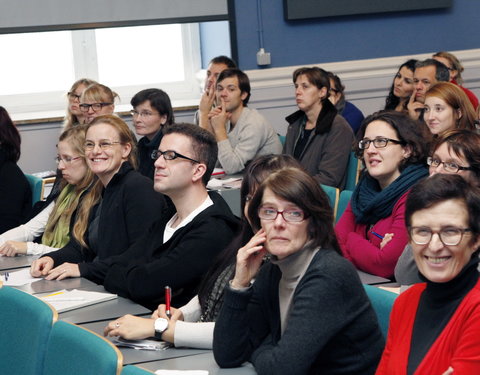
(161, 325)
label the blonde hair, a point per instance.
(70, 119)
(99, 93)
(75, 136)
(93, 196)
(456, 64)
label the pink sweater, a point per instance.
(362, 248)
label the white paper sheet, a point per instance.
(18, 278)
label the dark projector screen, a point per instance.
(302, 9)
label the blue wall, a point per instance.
(215, 40)
(353, 37)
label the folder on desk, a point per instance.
(66, 300)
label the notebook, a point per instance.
(66, 300)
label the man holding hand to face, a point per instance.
(215, 67)
(241, 133)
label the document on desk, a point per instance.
(229, 183)
(141, 344)
(181, 372)
(18, 278)
(66, 300)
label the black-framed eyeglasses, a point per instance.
(95, 106)
(447, 166)
(292, 216)
(72, 96)
(170, 155)
(380, 142)
(104, 145)
(450, 236)
(66, 160)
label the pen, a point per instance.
(53, 294)
(168, 296)
(376, 234)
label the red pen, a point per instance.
(168, 297)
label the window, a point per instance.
(41, 67)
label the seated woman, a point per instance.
(402, 88)
(54, 222)
(371, 231)
(117, 210)
(454, 152)
(319, 138)
(97, 100)
(74, 115)
(151, 111)
(435, 325)
(446, 108)
(192, 325)
(15, 193)
(345, 108)
(306, 312)
(455, 69)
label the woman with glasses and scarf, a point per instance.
(371, 231)
(54, 222)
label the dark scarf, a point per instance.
(370, 203)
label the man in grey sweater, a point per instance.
(241, 133)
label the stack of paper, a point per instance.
(18, 278)
(66, 300)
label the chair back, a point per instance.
(134, 370)
(332, 194)
(353, 171)
(345, 197)
(36, 185)
(25, 325)
(382, 303)
(72, 349)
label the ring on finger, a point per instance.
(117, 324)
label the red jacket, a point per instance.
(362, 247)
(471, 96)
(457, 346)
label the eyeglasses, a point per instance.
(450, 236)
(291, 216)
(144, 114)
(95, 106)
(73, 97)
(170, 155)
(66, 160)
(447, 166)
(104, 145)
(377, 142)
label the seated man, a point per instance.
(176, 251)
(241, 133)
(215, 67)
(426, 74)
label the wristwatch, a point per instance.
(161, 326)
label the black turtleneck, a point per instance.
(437, 304)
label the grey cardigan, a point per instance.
(326, 153)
